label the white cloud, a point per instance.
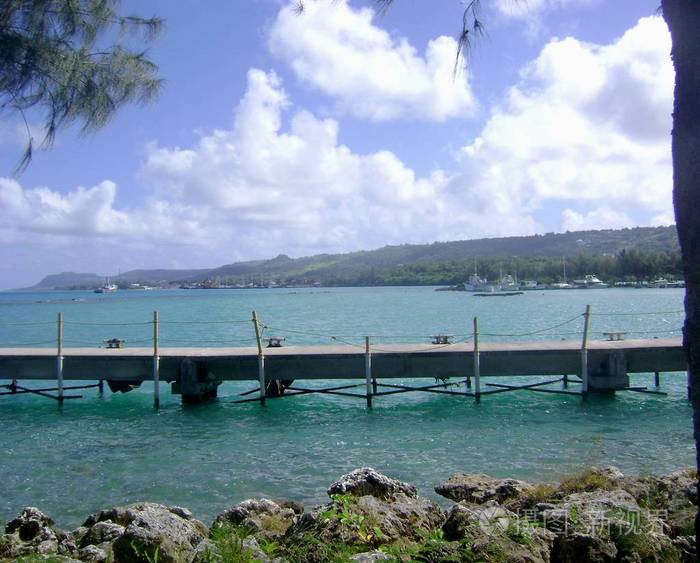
(587, 128)
(524, 9)
(601, 218)
(371, 74)
(587, 124)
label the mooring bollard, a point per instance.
(59, 359)
(261, 359)
(584, 352)
(368, 373)
(156, 362)
(477, 364)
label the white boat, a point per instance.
(590, 282)
(107, 287)
(476, 283)
(564, 284)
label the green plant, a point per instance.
(342, 510)
(228, 540)
(586, 481)
(142, 552)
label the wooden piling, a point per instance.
(657, 379)
(156, 362)
(584, 351)
(368, 372)
(261, 359)
(477, 366)
(565, 381)
(101, 387)
(13, 386)
(59, 358)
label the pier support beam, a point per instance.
(261, 359)
(156, 363)
(584, 352)
(612, 375)
(59, 360)
(196, 383)
(477, 364)
(368, 374)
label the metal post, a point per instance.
(59, 358)
(101, 387)
(565, 381)
(13, 386)
(261, 359)
(368, 372)
(469, 382)
(584, 351)
(657, 379)
(477, 366)
(156, 362)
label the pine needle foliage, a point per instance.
(67, 59)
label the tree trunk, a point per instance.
(683, 19)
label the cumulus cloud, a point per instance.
(297, 187)
(341, 52)
(601, 218)
(586, 129)
(587, 124)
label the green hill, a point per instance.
(625, 253)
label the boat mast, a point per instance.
(563, 261)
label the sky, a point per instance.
(342, 129)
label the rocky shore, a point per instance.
(600, 515)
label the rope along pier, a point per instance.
(574, 359)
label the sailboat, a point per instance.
(564, 284)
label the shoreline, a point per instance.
(596, 515)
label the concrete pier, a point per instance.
(197, 372)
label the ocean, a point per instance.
(98, 452)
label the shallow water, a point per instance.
(98, 452)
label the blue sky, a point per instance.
(341, 129)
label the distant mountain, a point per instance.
(364, 267)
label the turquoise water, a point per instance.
(98, 452)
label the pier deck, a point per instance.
(340, 361)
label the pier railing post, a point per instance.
(261, 359)
(156, 361)
(477, 363)
(584, 351)
(368, 372)
(59, 358)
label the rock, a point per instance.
(493, 533)
(30, 524)
(370, 557)
(479, 488)
(681, 483)
(104, 531)
(601, 526)
(686, 548)
(92, 554)
(368, 482)
(259, 516)
(681, 522)
(135, 533)
(373, 509)
(584, 548)
(475, 488)
(295, 506)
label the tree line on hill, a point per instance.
(627, 265)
